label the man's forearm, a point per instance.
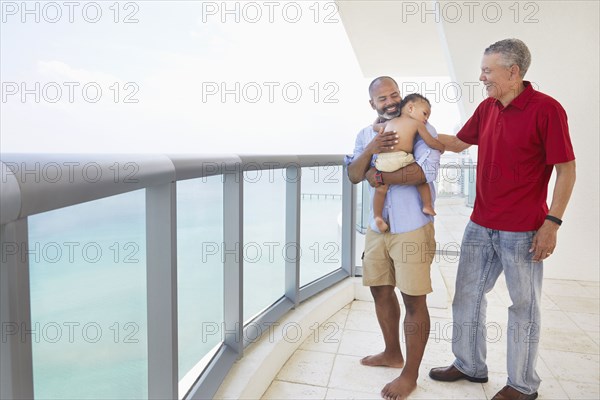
(565, 180)
(452, 143)
(358, 167)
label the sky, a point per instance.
(184, 77)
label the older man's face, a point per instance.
(385, 99)
(499, 80)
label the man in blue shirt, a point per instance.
(402, 256)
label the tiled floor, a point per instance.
(327, 366)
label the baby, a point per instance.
(414, 112)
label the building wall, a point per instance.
(564, 43)
(563, 37)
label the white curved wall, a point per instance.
(564, 46)
(563, 37)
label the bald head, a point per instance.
(385, 97)
(380, 80)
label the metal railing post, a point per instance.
(348, 223)
(293, 176)
(161, 241)
(233, 274)
(16, 367)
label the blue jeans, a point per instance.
(485, 253)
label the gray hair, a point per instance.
(513, 51)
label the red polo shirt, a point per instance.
(518, 146)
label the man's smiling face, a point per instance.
(386, 98)
(500, 81)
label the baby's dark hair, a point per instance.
(413, 98)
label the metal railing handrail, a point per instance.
(35, 183)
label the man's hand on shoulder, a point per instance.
(383, 141)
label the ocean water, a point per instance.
(88, 277)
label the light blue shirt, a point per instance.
(403, 205)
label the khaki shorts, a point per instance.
(401, 259)
(390, 162)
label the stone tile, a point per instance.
(449, 282)
(338, 394)
(349, 374)
(504, 297)
(496, 381)
(581, 390)
(593, 291)
(551, 389)
(560, 287)
(595, 336)
(326, 338)
(576, 304)
(445, 313)
(362, 320)
(569, 362)
(440, 329)
(288, 390)
(557, 319)
(444, 239)
(496, 357)
(340, 316)
(448, 261)
(495, 300)
(438, 353)
(572, 366)
(587, 322)
(363, 305)
(427, 388)
(547, 303)
(497, 315)
(567, 340)
(455, 222)
(360, 343)
(593, 284)
(543, 370)
(308, 367)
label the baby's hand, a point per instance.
(379, 127)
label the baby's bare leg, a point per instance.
(378, 202)
(425, 194)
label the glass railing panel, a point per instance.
(363, 207)
(451, 206)
(451, 180)
(321, 222)
(264, 249)
(199, 268)
(88, 300)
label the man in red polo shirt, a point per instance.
(522, 136)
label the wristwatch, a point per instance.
(549, 217)
(379, 177)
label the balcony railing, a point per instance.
(32, 185)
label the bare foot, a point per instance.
(381, 225)
(428, 210)
(399, 388)
(383, 360)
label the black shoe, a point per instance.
(451, 374)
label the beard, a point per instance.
(387, 115)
